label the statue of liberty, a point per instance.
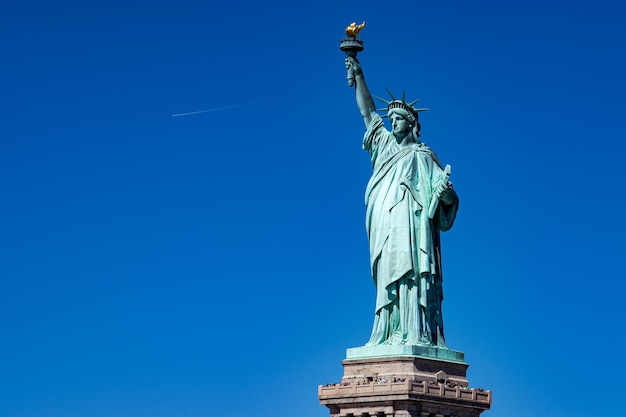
(409, 201)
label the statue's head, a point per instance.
(403, 118)
(405, 110)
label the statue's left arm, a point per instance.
(448, 206)
(448, 195)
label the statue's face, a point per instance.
(400, 124)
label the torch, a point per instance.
(352, 46)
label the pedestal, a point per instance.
(401, 381)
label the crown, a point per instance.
(400, 104)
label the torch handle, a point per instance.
(350, 77)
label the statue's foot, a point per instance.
(394, 340)
(424, 341)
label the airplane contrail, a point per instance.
(213, 109)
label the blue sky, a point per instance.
(217, 263)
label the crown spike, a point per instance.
(383, 100)
(399, 104)
(390, 94)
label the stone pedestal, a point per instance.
(403, 383)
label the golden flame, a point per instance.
(353, 29)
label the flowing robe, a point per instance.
(404, 241)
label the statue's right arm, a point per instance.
(363, 97)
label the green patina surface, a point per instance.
(409, 201)
(385, 351)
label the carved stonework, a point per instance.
(404, 387)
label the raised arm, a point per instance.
(363, 97)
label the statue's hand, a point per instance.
(445, 196)
(353, 65)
